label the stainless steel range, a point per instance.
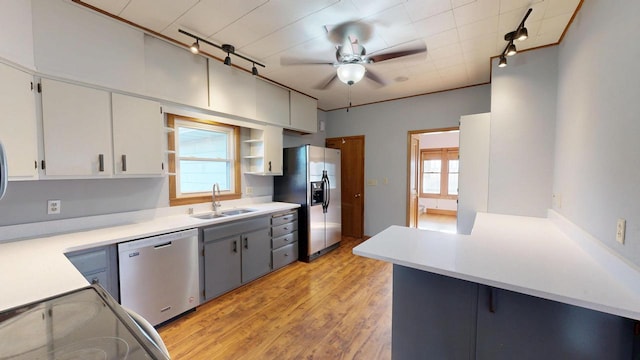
(85, 324)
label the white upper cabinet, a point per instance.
(77, 130)
(273, 150)
(174, 74)
(16, 37)
(137, 136)
(272, 103)
(262, 153)
(304, 113)
(77, 44)
(18, 131)
(231, 91)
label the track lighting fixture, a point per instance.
(195, 47)
(520, 33)
(229, 49)
(503, 61)
(511, 49)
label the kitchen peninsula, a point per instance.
(517, 287)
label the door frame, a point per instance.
(408, 169)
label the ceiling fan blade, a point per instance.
(298, 61)
(354, 29)
(325, 84)
(396, 54)
(375, 77)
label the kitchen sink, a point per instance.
(237, 211)
(207, 216)
(225, 213)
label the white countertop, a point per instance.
(37, 268)
(533, 256)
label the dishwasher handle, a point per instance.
(163, 245)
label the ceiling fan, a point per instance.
(351, 55)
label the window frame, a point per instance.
(175, 199)
(444, 155)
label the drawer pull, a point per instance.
(165, 309)
(286, 254)
(286, 228)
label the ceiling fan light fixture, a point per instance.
(195, 47)
(350, 73)
(503, 61)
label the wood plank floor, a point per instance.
(336, 307)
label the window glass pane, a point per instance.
(203, 143)
(199, 176)
(431, 183)
(453, 184)
(431, 166)
(453, 166)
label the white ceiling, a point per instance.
(461, 36)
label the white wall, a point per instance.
(385, 126)
(523, 112)
(597, 159)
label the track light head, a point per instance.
(503, 61)
(522, 34)
(195, 47)
(227, 60)
(254, 70)
(511, 50)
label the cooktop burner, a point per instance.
(86, 324)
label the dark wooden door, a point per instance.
(352, 180)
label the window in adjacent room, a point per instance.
(439, 173)
(204, 153)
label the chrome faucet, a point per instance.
(215, 205)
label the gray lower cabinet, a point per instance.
(235, 253)
(440, 317)
(99, 266)
(284, 238)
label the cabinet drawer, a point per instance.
(222, 231)
(98, 278)
(284, 229)
(284, 218)
(285, 255)
(284, 240)
(88, 262)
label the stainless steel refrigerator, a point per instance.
(311, 178)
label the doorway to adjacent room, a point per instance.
(432, 179)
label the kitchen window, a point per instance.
(202, 153)
(439, 168)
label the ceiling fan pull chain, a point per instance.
(349, 99)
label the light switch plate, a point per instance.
(620, 229)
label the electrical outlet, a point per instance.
(620, 228)
(53, 207)
(249, 190)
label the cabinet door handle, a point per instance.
(101, 162)
(235, 246)
(493, 299)
(124, 162)
(246, 243)
(95, 280)
(269, 166)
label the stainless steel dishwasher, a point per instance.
(159, 275)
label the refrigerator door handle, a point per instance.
(325, 191)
